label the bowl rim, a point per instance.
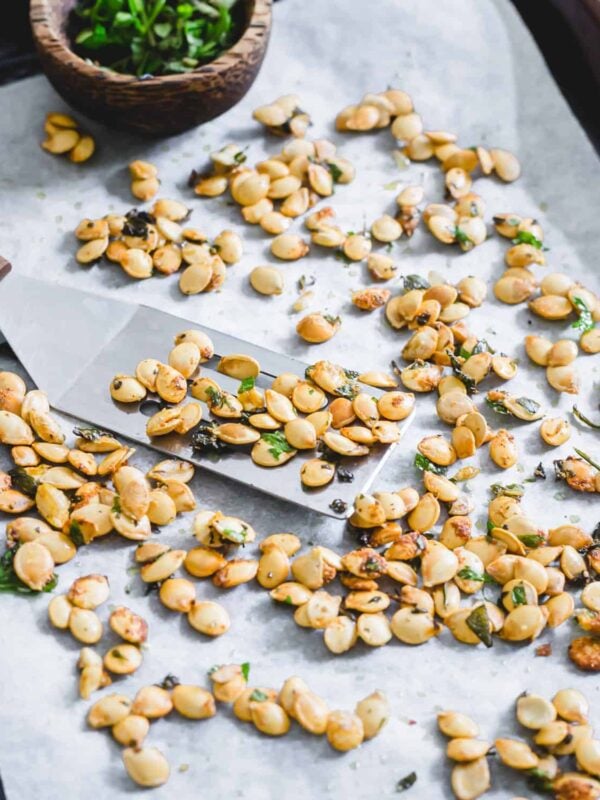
(49, 43)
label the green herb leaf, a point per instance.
(336, 172)
(526, 237)
(246, 385)
(470, 384)
(469, 574)
(90, 434)
(540, 781)
(586, 320)
(406, 782)
(75, 533)
(246, 670)
(424, 464)
(278, 444)
(518, 595)
(347, 390)
(23, 482)
(239, 537)
(461, 237)
(497, 406)
(479, 622)
(258, 697)
(410, 282)
(532, 540)
(116, 506)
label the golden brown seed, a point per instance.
(108, 711)
(209, 618)
(555, 431)
(344, 730)
(317, 328)
(471, 780)
(123, 659)
(146, 766)
(131, 731)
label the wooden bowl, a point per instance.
(154, 106)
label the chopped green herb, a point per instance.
(470, 384)
(532, 540)
(258, 697)
(215, 397)
(406, 782)
(411, 282)
(489, 526)
(586, 320)
(246, 670)
(424, 464)
(347, 390)
(526, 237)
(116, 506)
(288, 599)
(479, 622)
(497, 406)
(582, 418)
(153, 37)
(239, 537)
(76, 534)
(519, 596)
(90, 434)
(169, 682)
(461, 237)
(336, 172)
(23, 482)
(540, 781)
(469, 574)
(332, 320)
(278, 444)
(246, 385)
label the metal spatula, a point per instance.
(72, 343)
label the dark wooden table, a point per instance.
(566, 31)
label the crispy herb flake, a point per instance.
(90, 434)
(586, 320)
(532, 540)
(540, 781)
(169, 682)
(469, 383)
(510, 490)
(585, 457)
(479, 622)
(336, 172)
(410, 282)
(76, 534)
(424, 464)
(526, 237)
(339, 506)
(23, 482)
(406, 782)
(246, 670)
(278, 444)
(519, 596)
(246, 385)
(258, 697)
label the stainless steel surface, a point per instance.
(87, 340)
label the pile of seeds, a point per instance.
(269, 710)
(68, 488)
(283, 117)
(562, 739)
(297, 178)
(142, 242)
(267, 420)
(65, 138)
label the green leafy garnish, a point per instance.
(411, 282)
(278, 444)
(332, 320)
(76, 534)
(153, 37)
(246, 670)
(526, 237)
(90, 434)
(336, 172)
(532, 540)
(461, 237)
(510, 490)
(519, 596)
(497, 406)
(479, 622)
(10, 582)
(258, 697)
(347, 390)
(246, 385)
(586, 320)
(531, 406)
(239, 537)
(424, 464)
(539, 780)
(582, 418)
(116, 506)
(470, 384)
(23, 482)
(469, 574)
(406, 782)
(215, 397)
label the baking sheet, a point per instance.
(470, 67)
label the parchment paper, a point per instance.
(472, 68)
